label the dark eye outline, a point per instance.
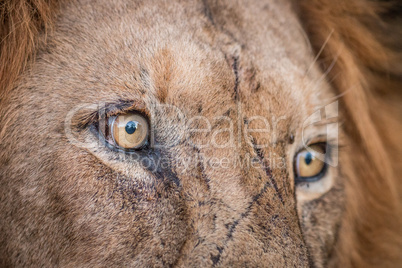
(323, 171)
(112, 144)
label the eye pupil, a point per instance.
(308, 158)
(131, 127)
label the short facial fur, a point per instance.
(68, 200)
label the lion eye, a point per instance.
(128, 131)
(308, 166)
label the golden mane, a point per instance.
(21, 22)
(362, 40)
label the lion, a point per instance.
(200, 133)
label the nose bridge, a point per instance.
(240, 206)
(240, 214)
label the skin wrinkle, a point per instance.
(268, 172)
(236, 73)
(207, 12)
(232, 227)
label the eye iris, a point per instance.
(129, 131)
(131, 127)
(309, 164)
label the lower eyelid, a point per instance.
(318, 177)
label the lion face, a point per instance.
(159, 134)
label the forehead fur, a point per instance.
(181, 61)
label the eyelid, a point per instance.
(93, 113)
(312, 140)
(130, 106)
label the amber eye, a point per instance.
(128, 131)
(308, 166)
